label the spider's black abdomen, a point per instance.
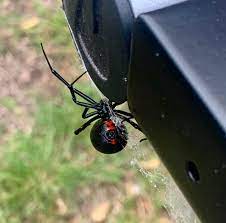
(107, 138)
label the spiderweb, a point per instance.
(160, 179)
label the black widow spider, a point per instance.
(109, 134)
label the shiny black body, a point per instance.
(108, 140)
(109, 134)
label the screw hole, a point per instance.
(192, 172)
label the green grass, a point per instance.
(8, 102)
(50, 161)
(53, 26)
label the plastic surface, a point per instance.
(143, 6)
(180, 55)
(102, 33)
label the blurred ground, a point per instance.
(47, 174)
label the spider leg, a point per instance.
(85, 115)
(134, 125)
(70, 86)
(114, 104)
(127, 119)
(54, 72)
(73, 90)
(78, 78)
(123, 113)
(144, 139)
(77, 131)
(131, 123)
(91, 104)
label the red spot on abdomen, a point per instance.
(110, 125)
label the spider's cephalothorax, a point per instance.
(109, 134)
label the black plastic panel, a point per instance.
(177, 92)
(102, 31)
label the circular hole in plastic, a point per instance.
(192, 172)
